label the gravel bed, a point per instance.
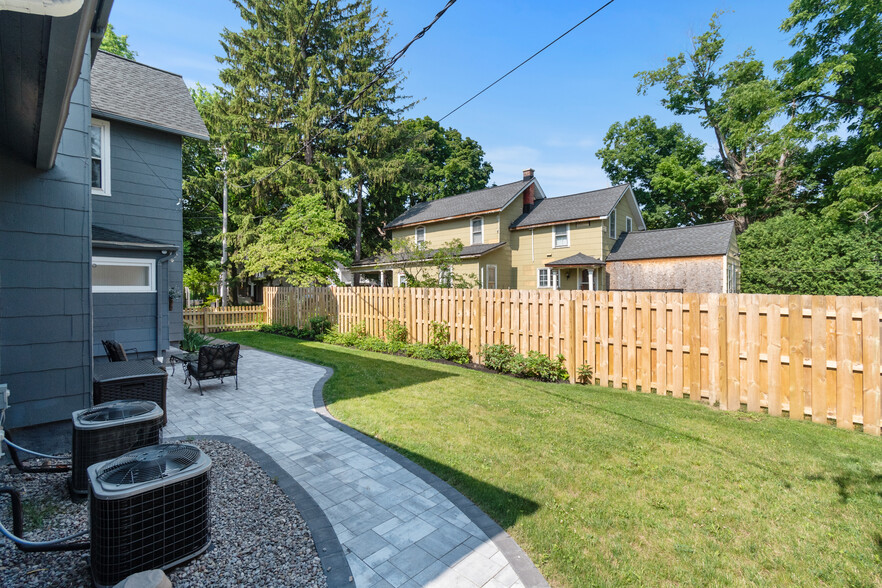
(258, 536)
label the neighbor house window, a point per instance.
(732, 286)
(100, 147)
(445, 278)
(420, 234)
(612, 224)
(548, 278)
(629, 224)
(123, 274)
(402, 280)
(561, 235)
(490, 277)
(477, 231)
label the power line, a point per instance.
(361, 93)
(515, 68)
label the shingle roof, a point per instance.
(104, 237)
(141, 94)
(467, 252)
(488, 199)
(699, 240)
(577, 259)
(591, 204)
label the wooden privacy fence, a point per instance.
(230, 318)
(295, 306)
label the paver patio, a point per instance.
(396, 528)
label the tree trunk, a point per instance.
(359, 209)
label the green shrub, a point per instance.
(372, 344)
(517, 366)
(585, 373)
(396, 331)
(192, 340)
(420, 351)
(540, 366)
(319, 325)
(455, 352)
(359, 330)
(497, 357)
(439, 334)
(285, 330)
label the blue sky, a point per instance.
(551, 114)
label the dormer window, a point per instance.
(560, 235)
(420, 234)
(100, 150)
(477, 231)
(612, 224)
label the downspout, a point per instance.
(159, 299)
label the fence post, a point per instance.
(571, 339)
(479, 322)
(205, 320)
(723, 346)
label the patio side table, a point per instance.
(130, 380)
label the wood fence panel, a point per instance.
(812, 356)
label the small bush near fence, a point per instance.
(316, 328)
(503, 358)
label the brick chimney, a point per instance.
(528, 174)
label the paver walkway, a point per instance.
(395, 528)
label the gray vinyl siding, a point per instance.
(45, 277)
(145, 201)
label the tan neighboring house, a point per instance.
(515, 237)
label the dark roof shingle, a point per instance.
(695, 241)
(572, 260)
(488, 199)
(593, 204)
(141, 94)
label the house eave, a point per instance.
(141, 123)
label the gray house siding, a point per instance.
(45, 277)
(145, 201)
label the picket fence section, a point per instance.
(230, 318)
(811, 357)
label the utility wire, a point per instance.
(361, 93)
(515, 68)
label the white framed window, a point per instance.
(402, 280)
(445, 277)
(548, 278)
(123, 274)
(490, 272)
(629, 224)
(612, 224)
(420, 234)
(99, 142)
(560, 236)
(477, 231)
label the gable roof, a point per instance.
(480, 201)
(694, 241)
(139, 94)
(585, 205)
(575, 260)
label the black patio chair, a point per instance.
(214, 362)
(115, 351)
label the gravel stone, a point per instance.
(258, 536)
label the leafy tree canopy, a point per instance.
(811, 254)
(117, 44)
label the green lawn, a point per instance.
(607, 487)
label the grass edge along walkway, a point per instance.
(608, 487)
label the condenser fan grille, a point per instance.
(116, 410)
(149, 464)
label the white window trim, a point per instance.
(472, 230)
(554, 244)
(612, 224)
(629, 224)
(105, 157)
(129, 262)
(416, 234)
(487, 276)
(553, 278)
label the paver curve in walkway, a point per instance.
(398, 525)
